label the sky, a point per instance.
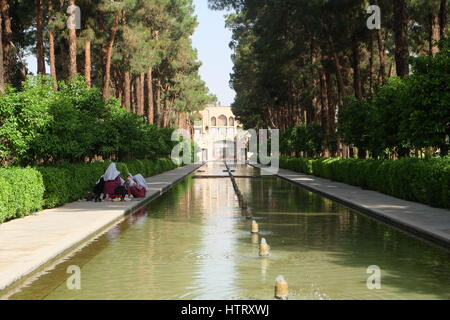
(211, 40)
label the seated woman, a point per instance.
(112, 180)
(136, 186)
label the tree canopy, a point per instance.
(299, 62)
(138, 51)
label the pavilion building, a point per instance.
(216, 132)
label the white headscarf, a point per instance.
(140, 180)
(111, 173)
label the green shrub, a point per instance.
(136, 166)
(148, 168)
(123, 168)
(421, 180)
(57, 188)
(41, 124)
(21, 191)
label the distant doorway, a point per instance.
(224, 150)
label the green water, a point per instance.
(193, 243)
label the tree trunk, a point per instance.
(150, 107)
(87, 63)
(158, 102)
(371, 85)
(107, 50)
(401, 38)
(331, 113)
(134, 95)
(168, 103)
(40, 37)
(314, 113)
(433, 33)
(340, 79)
(2, 73)
(117, 80)
(443, 19)
(72, 47)
(382, 55)
(141, 93)
(51, 47)
(127, 91)
(356, 71)
(8, 54)
(324, 109)
(391, 69)
(165, 112)
(138, 95)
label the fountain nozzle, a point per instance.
(281, 288)
(255, 227)
(264, 248)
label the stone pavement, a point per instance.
(432, 224)
(35, 240)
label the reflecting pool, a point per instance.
(194, 243)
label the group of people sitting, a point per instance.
(112, 186)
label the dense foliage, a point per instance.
(299, 62)
(25, 190)
(21, 192)
(139, 51)
(72, 124)
(413, 112)
(302, 138)
(421, 180)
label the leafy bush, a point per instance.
(303, 165)
(43, 125)
(305, 138)
(21, 191)
(137, 166)
(22, 115)
(421, 180)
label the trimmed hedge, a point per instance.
(26, 190)
(70, 182)
(421, 180)
(21, 192)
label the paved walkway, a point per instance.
(30, 242)
(424, 221)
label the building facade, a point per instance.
(216, 132)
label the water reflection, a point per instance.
(216, 267)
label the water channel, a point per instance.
(194, 243)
